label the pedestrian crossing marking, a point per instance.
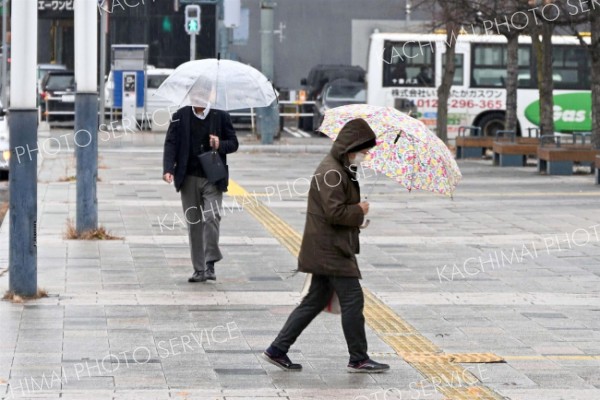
(406, 341)
(299, 133)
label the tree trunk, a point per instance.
(595, 54)
(546, 79)
(447, 79)
(512, 76)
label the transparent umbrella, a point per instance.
(225, 84)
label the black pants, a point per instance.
(352, 302)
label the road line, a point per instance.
(288, 130)
(448, 377)
(303, 133)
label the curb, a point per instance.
(290, 148)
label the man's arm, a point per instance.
(171, 146)
(228, 142)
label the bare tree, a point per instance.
(594, 48)
(451, 16)
(512, 12)
(541, 36)
(591, 18)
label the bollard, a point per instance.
(267, 122)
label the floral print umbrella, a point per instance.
(406, 150)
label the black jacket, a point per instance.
(177, 144)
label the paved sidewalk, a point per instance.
(510, 267)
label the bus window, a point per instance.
(408, 64)
(571, 68)
(459, 73)
(489, 66)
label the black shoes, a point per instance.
(197, 277)
(203, 276)
(210, 271)
(281, 360)
(367, 366)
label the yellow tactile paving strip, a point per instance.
(441, 369)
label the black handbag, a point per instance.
(213, 166)
(211, 161)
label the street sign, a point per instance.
(192, 19)
(55, 9)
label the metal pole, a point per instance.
(86, 113)
(23, 146)
(103, 26)
(267, 117)
(266, 36)
(192, 47)
(4, 97)
(408, 11)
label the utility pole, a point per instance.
(86, 113)
(267, 117)
(4, 97)
(266, 38)
(23, 145)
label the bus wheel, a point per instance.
(492, 123)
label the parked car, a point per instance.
(4, 145)
(58, 89)
(155, 78)
(318, 77)
(42, 70)
(340, 92)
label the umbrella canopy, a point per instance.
(225, 84)
(406, 150)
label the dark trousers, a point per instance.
(352, 302)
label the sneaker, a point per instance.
(367, 366)
(197, 277)
(210, 271)
(282, 361)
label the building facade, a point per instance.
(306, 32)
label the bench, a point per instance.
(474, 145)
(559, 158)
(597, 171)
(512, 151)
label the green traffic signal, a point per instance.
(166, 24)
(193, 26)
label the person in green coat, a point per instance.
(328, 251)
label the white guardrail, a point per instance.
(283, 105)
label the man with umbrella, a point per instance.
(201, 85)
(195, 130)
(330, 242)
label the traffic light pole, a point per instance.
(193, 46)
(22, 123)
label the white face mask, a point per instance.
(359, 158)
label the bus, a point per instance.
(405, 70)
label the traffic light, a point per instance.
(192, 19)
